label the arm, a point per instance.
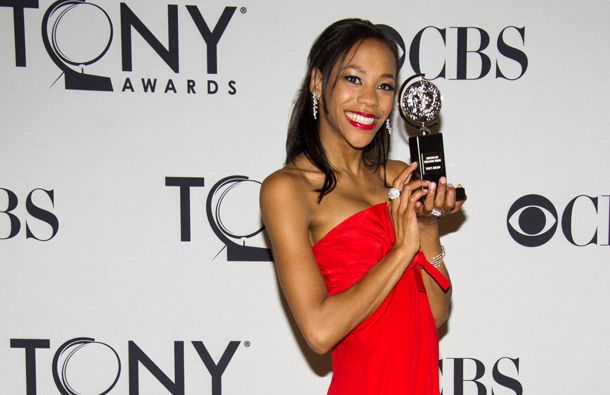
(324, 320)
(439, 300)
(444, 199)
(440, 197)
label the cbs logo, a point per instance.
(533, 220)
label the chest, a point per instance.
(347, 199)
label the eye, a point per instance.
(353, 79)
(532, 220)
(387, 87)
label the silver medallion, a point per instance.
(420, 101)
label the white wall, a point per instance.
(112, 266)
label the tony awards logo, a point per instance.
(420, 104)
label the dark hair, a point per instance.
(330, 47)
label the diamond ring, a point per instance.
(393, 193)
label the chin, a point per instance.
(360, 144)
(364, 139)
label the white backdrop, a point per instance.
(117, 279)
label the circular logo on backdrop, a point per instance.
(72, 22)
(234, 215)
(65, 26)
(532, 220)
(83, 366)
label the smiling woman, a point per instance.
(350, 262)
(361, 96)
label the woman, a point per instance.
(350, 261)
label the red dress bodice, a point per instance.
(395, 350)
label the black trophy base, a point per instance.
(427, 151)
(460, 194)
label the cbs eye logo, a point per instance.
(532, 220)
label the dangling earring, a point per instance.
(315, 105)
(388, 126)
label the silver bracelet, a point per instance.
(437, 260)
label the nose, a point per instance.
(368, 96)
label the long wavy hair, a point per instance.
(330, 47)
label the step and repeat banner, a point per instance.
(134, 139)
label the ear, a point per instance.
(315, 81)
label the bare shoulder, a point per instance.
(288, 193)
(291, 183)
(394, 168)
(281, 186)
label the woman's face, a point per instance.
(361, 98)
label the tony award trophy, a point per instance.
(419, 104)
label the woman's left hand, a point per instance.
(440, 201)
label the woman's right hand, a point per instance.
(403, 210)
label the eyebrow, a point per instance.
(356, 68)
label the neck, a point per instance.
(343, 157)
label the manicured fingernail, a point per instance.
(443, 180)
(450, 185)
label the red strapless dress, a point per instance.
(395, 350)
